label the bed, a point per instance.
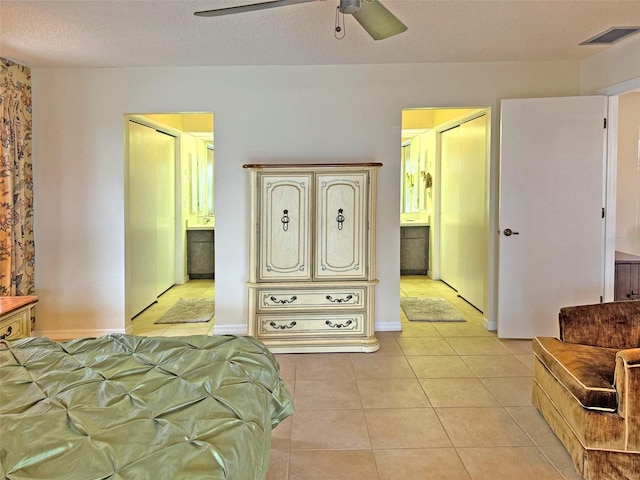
(129, 407)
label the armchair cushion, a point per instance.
(610, 325)
(585, 371)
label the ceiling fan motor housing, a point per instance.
(349, 7)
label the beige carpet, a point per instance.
(430, 309)
(189, 310)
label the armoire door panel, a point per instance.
(341, 222)
(284, 227)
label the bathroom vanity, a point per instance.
(200, 251)
(414, 249)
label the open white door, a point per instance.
(551, 238)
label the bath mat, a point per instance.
(189, 310)
(430, 309)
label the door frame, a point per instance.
(490, 279)
(613, 93)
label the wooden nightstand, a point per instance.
(15, 316)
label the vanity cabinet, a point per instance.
(200, 253)
(414, 250)
(312, 269)
(627, 277)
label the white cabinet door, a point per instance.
(165, 165)
(285, 251)
(451, 166)
(341, 225)
(142, 264)
(473, 232)
(551, 196)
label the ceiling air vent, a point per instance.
(612, 35)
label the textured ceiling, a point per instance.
(114, 33)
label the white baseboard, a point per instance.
(60, 335)
(387, 327)
(491, 326)
(240, 329)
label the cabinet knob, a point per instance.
(340, 218)
(285, 220)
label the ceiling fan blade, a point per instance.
(249, 8)
(379, 22)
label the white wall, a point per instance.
(617, 64)
(628, 185)
(263, 114)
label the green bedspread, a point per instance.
(127, 407)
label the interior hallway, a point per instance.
(437, 401)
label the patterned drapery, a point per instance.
(17, 248)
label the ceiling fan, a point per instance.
(378, 22)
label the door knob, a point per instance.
(508, 232)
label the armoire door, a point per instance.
(341, 226)
(285, 250)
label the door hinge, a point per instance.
(605, 123)
(602, 212)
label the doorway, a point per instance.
(445, 190)
(626, 285)
(186, 194)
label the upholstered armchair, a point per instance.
(587, 387)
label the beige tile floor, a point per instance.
(437, 401)
(143, 322)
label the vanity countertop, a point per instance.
(414, 223)
(204, 226)
(415, 220)
(210, 225)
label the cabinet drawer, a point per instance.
(310, 325)
(270, 300)
(15, 325)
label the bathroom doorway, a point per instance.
(189, 255)
(444, 206)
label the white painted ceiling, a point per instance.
(115, 33)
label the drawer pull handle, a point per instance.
(285, 220)
(633, 295)
(339, 325)
(8, 334)
(284, 301)
(282, 327)
(339, 300)
(340, 218)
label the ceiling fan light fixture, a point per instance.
(378, 22)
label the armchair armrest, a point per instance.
(610, 325)
(627, 384)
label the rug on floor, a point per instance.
(430, 309)
(189, 310)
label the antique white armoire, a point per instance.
(312, 269)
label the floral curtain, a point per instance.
(17, 248)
